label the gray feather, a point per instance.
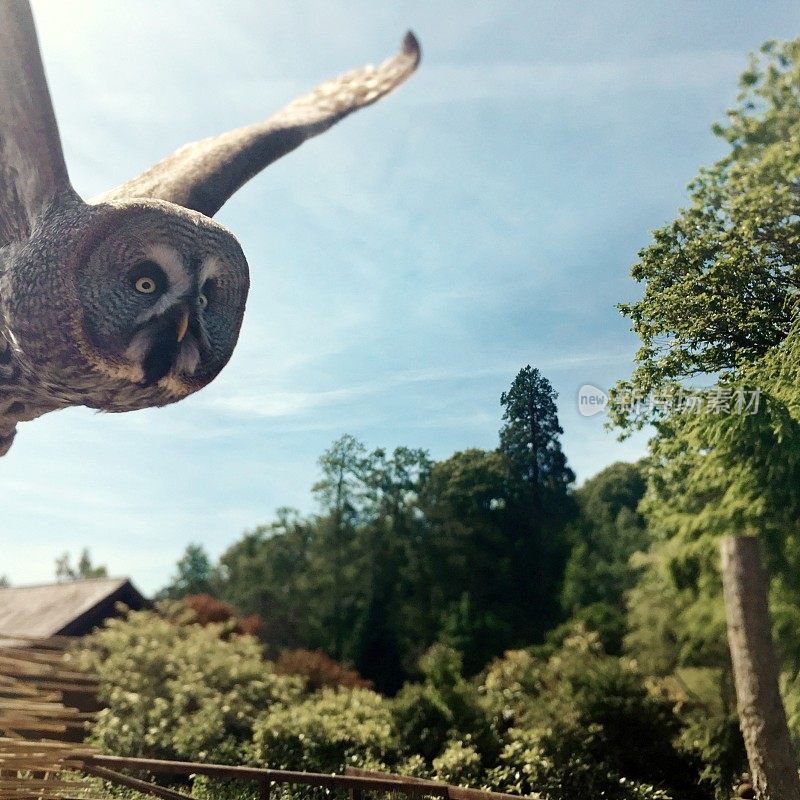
(203, 175)
(32, 168)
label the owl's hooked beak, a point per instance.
(183, 326)
(165, 345)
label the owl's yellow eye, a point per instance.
(145, 285)
(147, 277)
(202, 301)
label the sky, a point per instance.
(404, 265)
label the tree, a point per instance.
(539, 506)
(470, 590)
(194, 574)
(179, 692)
(529, 437)
(607, 532)
(721, 280)
(388, 543)
(84, 569)
(268, 572)
(773, 765)
(340, 492)
(719, 301)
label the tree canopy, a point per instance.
(721, 280)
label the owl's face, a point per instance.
(162, 292)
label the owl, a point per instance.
(133, 299)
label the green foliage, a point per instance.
(530, 436)
(268, 572)
(459, 764)
(328, 731)
(84, 569)
(422, 717)
(444, 708)
(472, 557)
(581, 723)
(405, 553)
(193, 574)
(720, 300)
(567, 721)
(606, 534)
(179, 691)
(721, 280)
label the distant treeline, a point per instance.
(405, 551)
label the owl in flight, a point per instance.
(135, 298)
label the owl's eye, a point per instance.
(145, 285)
(207, 294)
(148, 278)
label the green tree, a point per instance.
(530, 436)
(540, 505)
(720, 300)
(580, 723)
(268, 572)
(470, 588)
(341, 493)
(193, 574)
(721, 280)
(84, 569)
(607, 532)
(387, 548)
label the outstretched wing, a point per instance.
(32, 169)
(204, 174)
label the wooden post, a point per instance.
(761, 714)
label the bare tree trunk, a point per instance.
(761, 714)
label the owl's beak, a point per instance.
(183, 325)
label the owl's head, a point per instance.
(145, 308)
(161, 292)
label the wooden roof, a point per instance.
(72, 608)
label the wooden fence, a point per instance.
(41, 746)
(355, 781)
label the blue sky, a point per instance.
(404, 265)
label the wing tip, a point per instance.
(411, 47)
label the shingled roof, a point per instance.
(73, 608)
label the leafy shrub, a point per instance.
(459, 764)
(508, 686)
(422, 719)
(182, 692)
(207, 609)
(444, 708)
(326, 732)
(583, 724)
(568, 721)
(562, 762)
(319, 670)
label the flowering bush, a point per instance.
(179, 691)
(328, 731)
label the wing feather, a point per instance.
(203, 175)
(32, 168)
